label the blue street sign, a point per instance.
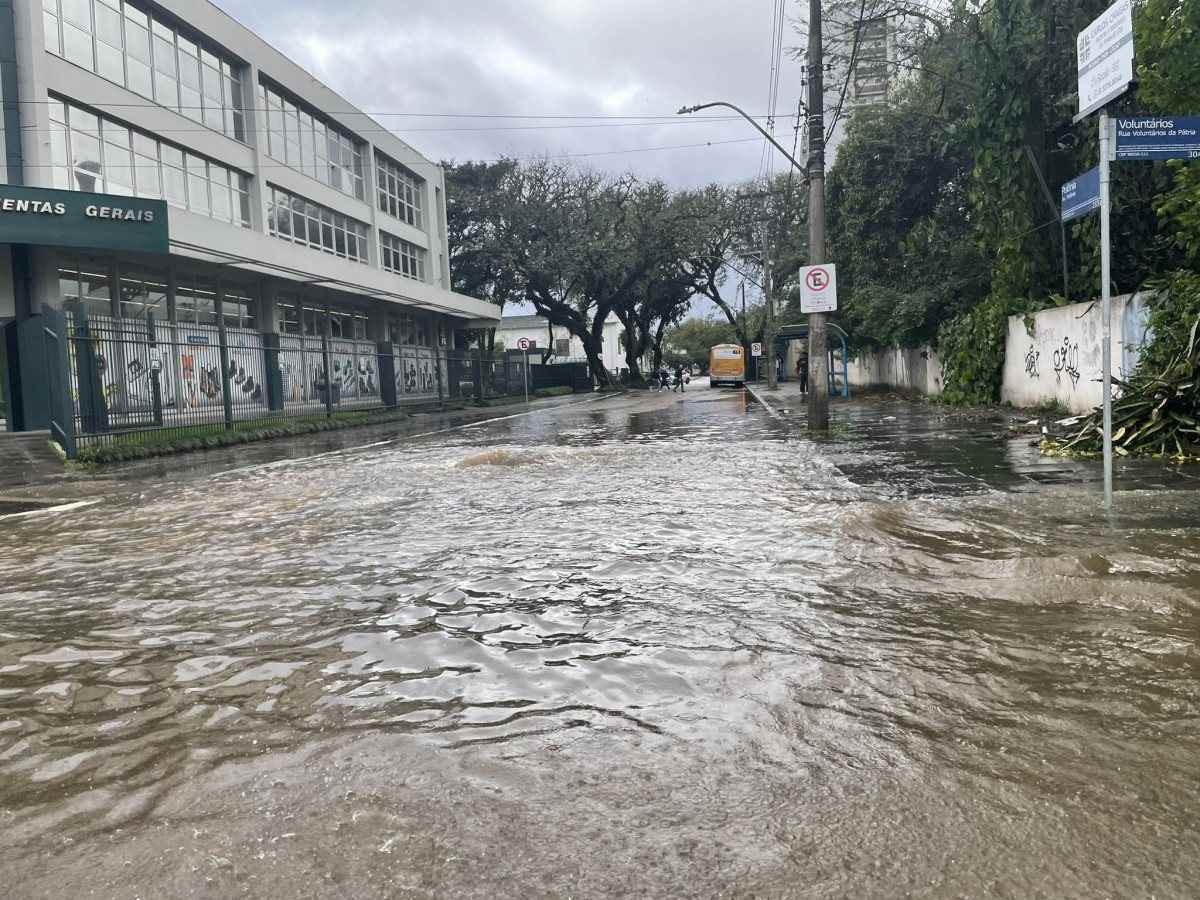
(1158, 137)
(1081, 196)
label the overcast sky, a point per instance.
(547, 58)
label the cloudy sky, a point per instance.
(454, 61)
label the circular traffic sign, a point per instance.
(817, 279)
(523, 344)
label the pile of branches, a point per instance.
(1156, 415)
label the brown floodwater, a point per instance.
(641, 646)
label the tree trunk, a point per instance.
(658, 339)
(592, 348)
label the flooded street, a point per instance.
(640, 645)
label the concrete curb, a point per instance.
(771, 411)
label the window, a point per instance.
(399, 256)
(297, 138)
(85, 282)
(562, 347)
(99, 155)
(126, 45)
(289, 318)
(237, 307)
(195, 300)
(304, 222)
(400, 191)
(142, 292)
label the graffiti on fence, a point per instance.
(1066, 361)
(1032, 356)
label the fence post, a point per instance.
(479, 374)
(155, 369)
(93, 411)
(328, 375)
(387, 374)
(58, 371)
(438, 358)
(226, 375)
(274, 375)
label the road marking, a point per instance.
(62, 507)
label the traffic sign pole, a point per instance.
(1106, 303)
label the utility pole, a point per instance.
(818, 346)
(769, 324)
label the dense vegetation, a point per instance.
(937, 222)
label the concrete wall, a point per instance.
(915, 369)
(1060, 360)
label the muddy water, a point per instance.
(629, 648)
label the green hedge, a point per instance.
(146, 445)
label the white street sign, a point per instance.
(756, 349)
(818, 288)
(523, 343)
(1105, 57)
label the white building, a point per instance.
(289, 212)
(539, 332)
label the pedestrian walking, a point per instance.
(678, 378)
(802, 373)
(663, 378)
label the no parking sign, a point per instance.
(818, 288)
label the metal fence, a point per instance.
(140, 380)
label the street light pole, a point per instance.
(818, 345)
(769, 326)
(737, 109)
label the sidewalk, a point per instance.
(785, 400)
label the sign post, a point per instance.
(523, 345)
(818, 288)
(1081, 196)
(1105, 62)
(1106, 304)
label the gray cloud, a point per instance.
(545, 57)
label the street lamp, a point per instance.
(769, 328)
(687, 110)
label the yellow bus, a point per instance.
(726, 365)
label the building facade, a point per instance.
(271, 205)
(540, 334)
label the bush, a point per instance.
(971, 348)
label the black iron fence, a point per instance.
(143, 380)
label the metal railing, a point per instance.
(150, 381)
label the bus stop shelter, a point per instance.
(838, 353)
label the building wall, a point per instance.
(1060, 361)
(41, 72)
(611, 353)
(915, 369)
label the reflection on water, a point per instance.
(680, 583)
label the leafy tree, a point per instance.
(692, 339)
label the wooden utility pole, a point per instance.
(769, 324)
(818, 346)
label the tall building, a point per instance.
(861, 52)
(161, 158)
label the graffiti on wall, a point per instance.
(1032, 356)
(1066, 361)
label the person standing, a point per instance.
(678, 378)
(802, 372)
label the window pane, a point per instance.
(198, 194)
(53, 38)
(77, 46)
(139, 78)
(174, 186)
(79, 12)
(146, 175)
(118, 169)
(108, 25)
(110, 62)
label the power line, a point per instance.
(9, 103)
